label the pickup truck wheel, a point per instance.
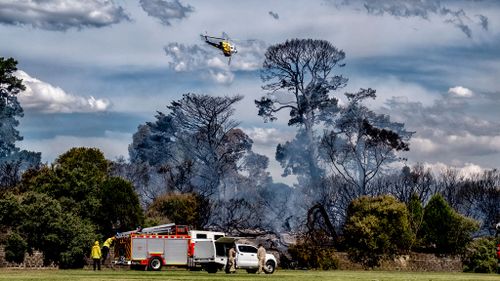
(252, 271)
(270, 267)
(155, 264)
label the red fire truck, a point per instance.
(154, 247)
(175, 245)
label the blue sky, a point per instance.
(96, 69)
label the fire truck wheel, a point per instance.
(155, 264)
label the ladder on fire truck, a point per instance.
(163, 229)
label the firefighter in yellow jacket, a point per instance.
(105, 249)
(95, 254)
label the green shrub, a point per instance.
(79, 181)
(9, 209)
(445, 231)
(75, 180)
(120, 207)
(376, 228)
(480, 256)
(63, 237)
(15, 248)
(80, 235)
(416, 215)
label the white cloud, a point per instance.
(447, 131)
(420, 9)
(467, 170)
(269, 136)
(217, 62)
(221, 77)
(423, 145)
(470, 169)
(43, 97)
(166, 11)
(262, 135)
(461, 92)
(61, 15)
(457, 146)
(472, 144)
(112, 144)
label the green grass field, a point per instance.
(285, 275)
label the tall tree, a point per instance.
(80, 182)
(154, 153)
(154, 142)
(12, 160)
(361, 142)
(195, 145)
(417, 180)
(299, 76)
(210, 137)
(10, 108)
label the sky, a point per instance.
(97, 69)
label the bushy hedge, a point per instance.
(480, 256)
(62, 209)
(15, 248)
(444, 231)
(63, 237)
(377, 228)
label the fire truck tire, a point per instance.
(211, 268)
(155, 264)
(270, 267)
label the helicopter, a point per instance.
(227, 47)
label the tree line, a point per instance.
(194, 165)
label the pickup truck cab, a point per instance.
(246, 258)
(212, 255)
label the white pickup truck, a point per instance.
(212, 255)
